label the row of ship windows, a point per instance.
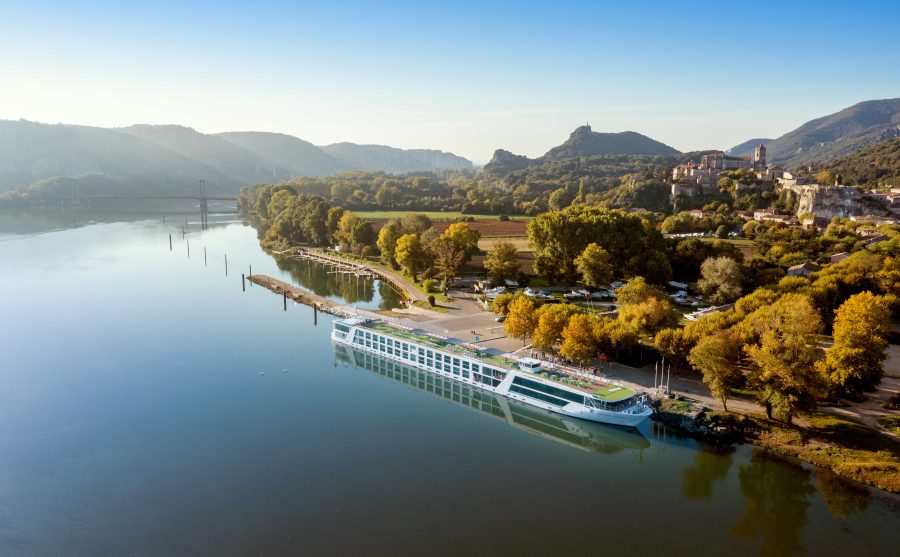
(483, 374)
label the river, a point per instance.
(151, 406)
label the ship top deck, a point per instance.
(606, 392)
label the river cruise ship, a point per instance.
(521, 379)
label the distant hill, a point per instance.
(583, 143)
(837, 135)
(299, 157)
(747, 147)
(391, 159)
(173, 159)
(586, 143)
(877, 164)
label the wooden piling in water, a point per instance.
(243, 283)
(204, 256)
(226, 264)
(170, 242)
(285, 300)
(189, 248)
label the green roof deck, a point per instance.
(612, 393)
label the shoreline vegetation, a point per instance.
(842, 445)
(792, 340)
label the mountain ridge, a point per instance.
(173, 158)
(835, 135)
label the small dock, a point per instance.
(340, 265)
(291, 292)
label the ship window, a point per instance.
(421, 359)
(446, 358)
(438, 365)
(430, 362)
(550, 389)
(465, 364)
(342, 327)
(456, 362)
(540, 396)
(475, 367)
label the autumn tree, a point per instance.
(463, 237)
(387, 241)
(673, 344)
(785, 354)
(649, 316)
(552, 319)
(856, 360)
(500, 305)
(502, 261)
(579, 343)
(409, 254)
(637, 290)
(720, 280)
(716, 357)
(593, 265)
(449, 257)
(521, 318)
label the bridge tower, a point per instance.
(204, 206)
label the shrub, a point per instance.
(504, 218)
(431, 300)
(428, 286)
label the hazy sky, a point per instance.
(458, 76)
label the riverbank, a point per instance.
(842, 445)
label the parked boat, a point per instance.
(521, 379)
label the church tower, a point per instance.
(759, 157)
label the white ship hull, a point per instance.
(510, 385)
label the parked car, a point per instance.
(531, 292)
(500, 318)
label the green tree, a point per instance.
(521, 319)
(333, 220)
(720, 280)
(855, 362)
(593, 265)
(785, 354)
(415, 223)
(502, 261)
(409, 254)
(716, 357)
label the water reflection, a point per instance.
(324, 281)
(843, 498)
(575, 433)
(711, 465)
(777, 496)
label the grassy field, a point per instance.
(433, 215)
(743, 244)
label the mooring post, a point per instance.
(285, 300)
(250, 275)
(226, 264)
(170, 242)
(243, 284)
(164, 219)
(315, 314)
(189, 248)
(204, 256)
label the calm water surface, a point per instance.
(148, 406)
